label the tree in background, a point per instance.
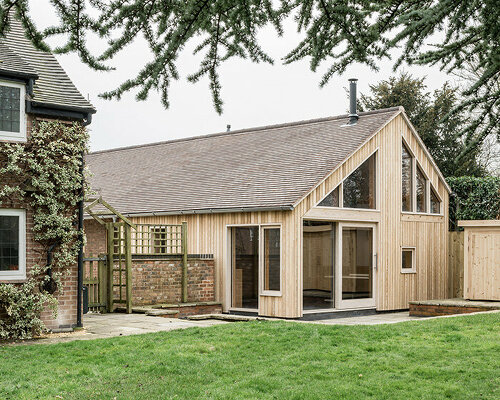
(443, 137)
(336, 32)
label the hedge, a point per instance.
(474, 198)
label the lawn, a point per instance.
(456, 358)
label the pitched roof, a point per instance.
(53, 86)
(270, 167)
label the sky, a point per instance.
(253, 94)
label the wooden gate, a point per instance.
(94, 279)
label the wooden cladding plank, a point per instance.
(456, 264)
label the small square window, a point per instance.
(12, 113)
(408, 260)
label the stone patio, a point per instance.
(100, 326)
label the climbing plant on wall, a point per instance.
(43, 174)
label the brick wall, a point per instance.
(433, 310)
(36, 254)
(159, 281)
(95, 235)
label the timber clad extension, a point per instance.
(252, 199)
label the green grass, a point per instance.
(455, 358)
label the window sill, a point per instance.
(409, 272)
(12, 280)
(13, 139)
(421, 213)
(271, 294)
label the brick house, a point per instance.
(340, 213)
(33, 86)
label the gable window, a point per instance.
(12, 244)
(12, 114)
(331, 199)
(435, 202)
(408, 260)
(359, 187)
(407, 179)
(421, 191)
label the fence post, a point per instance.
(128, 266)
(103, 281)
(110, 266)
(184, 263)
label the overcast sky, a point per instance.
(253, 94)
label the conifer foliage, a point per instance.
(335, 32)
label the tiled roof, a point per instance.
(269, 167)
(53, 87)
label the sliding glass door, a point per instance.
(356, 266)
(318, 262)
(245, 267)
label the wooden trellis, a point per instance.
(108, 278)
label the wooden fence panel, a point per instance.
(482, 260)
(456, 264)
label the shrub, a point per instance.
(44, 174)
(474, 198)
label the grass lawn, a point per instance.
(456, 358)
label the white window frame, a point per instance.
(264, 292)
(413, 269)
(21, 273)
(15, 136)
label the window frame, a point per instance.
(413, 269)
(262, 290)
(20, 274)
(14, 136)
(440, 200)
(416, 165)
(340, 186)
(427, 194)
(413, 177)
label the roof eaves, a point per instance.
(139, 214)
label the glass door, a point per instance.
(245, 267)
(356, 266)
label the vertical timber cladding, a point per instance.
(428, 233)
(207, 234)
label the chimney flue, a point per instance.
(353, 114)
(228, 128)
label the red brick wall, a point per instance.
(36, 254)
(430, 310)
(95, 235)
(159, 281)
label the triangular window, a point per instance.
(359, 187)
(331, 199)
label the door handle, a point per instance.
(375, 265)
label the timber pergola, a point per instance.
(119, 248)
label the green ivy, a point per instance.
(474, 198)
(44, 173)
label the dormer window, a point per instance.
(12, 114)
